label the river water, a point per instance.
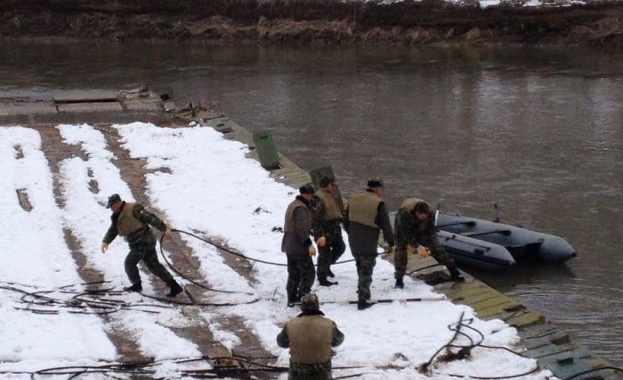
(538, 132)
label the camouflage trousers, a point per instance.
(301, 276)
(401, 258)
(147, 253)
(319, 371)
(330, 253)
(365, 269)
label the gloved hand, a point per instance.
(312, 251)
(104, 247)
(423, 252)
(322, 241)
(410, 249)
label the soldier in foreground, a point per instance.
(132, 221)
(327, 230)
(310, 337)
(366, 215)
(416, 232)
(298, 246)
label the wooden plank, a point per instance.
(493, 301)
(465, 289)
(537, 331)
(564, 365)
(552, 350)
(475, 298)
(493, 310)
(533, 344)
(527, 318)
(501, 303)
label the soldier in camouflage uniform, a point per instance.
(310, 337)
(366, 215)
(298, 246)
(327, 230)
(415, 228)
(132, 221)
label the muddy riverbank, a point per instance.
(321, 22)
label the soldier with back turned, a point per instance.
(365, 217)
(310, 337)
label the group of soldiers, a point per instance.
(318, 215)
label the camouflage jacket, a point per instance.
(412, 232)
(322, 226)
(142, 235)
(310, 337)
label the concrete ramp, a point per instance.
(80, 106)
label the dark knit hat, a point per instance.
(112, 200)
(375, 182)
(325, 181)
(308, 188)
(310, 302)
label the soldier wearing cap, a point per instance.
(327, 230)
(132, 221)
(416, 233)
(298, 246)
(366, 215)
(310, 337)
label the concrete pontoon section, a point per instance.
(79, 106)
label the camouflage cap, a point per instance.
(325, 181)
(112, 200)
(375, 182)
(308, 188)
(310, 302)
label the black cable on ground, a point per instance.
(493, 377)
(203, 286)
(616, 369)
(229, 250)
(466, 351)
(94, 301)
(145, 368)
(80, 303)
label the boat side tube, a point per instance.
(541, 246)
(555, 249)
(475, 253)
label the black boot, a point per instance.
(292, 300)
(331, 273)
(455, 275)
(134, 288)
(363, 304)
(399, 284)
(175, 289)
(325, 282)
